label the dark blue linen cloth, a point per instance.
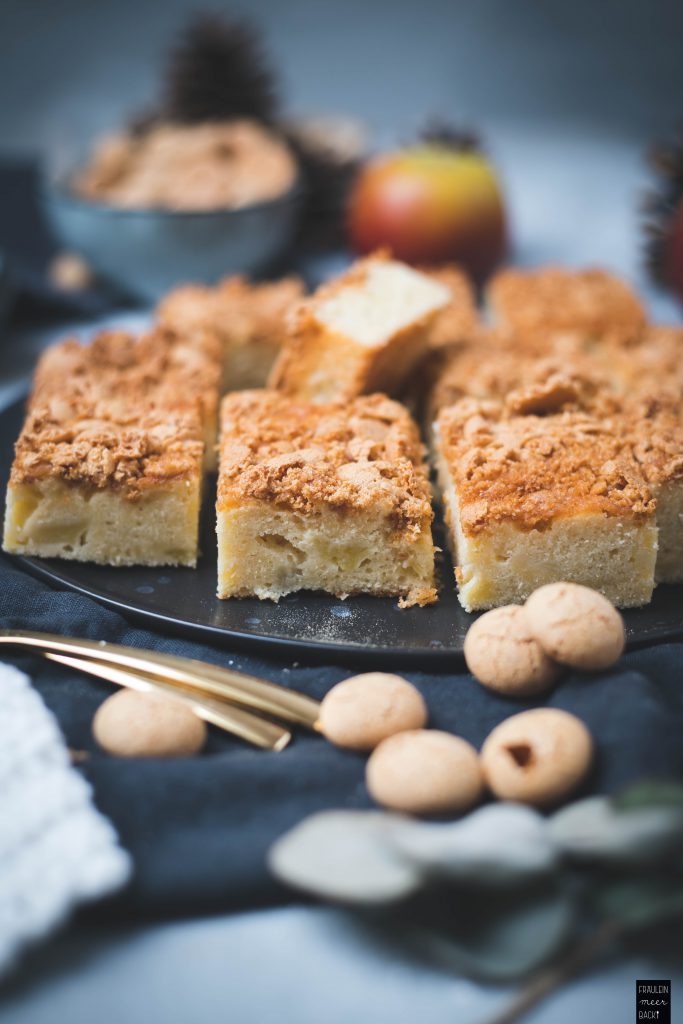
(199, 828)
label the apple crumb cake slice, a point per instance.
(95, 481)
(109, 464)
(362, 332)
(249, 319)
(534, 499)
(539, 305)
(653, 425)
(312, 497)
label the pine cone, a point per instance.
(219, 71)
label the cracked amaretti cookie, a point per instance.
(248, 318)
(532, 499)
(109, 464)
(590, 305)
(363, 332)
(332, 498)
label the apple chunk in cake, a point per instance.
(360, 333)
(248, 319)
(536, 499)
(93, 482)
(313, 497)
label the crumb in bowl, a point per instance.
(210, 166)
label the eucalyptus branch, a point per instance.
(581, 956)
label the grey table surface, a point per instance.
(574, 200)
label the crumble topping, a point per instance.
(655, 361)
(459, 320)
(653, 425)
(235, 309)
(122, 411)
(101, 444)
(159, 366)
(588, 303)
(532, 470)
(359, 455)
(491, 368)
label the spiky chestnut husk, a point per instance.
(664, 216)
(218, 71)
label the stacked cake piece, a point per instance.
(248, 319)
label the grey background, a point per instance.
(69, 68)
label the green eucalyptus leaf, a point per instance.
(345, 856)
(594, 829)
(501, 844)
(505, 938)
(640, 902)
(649, 794)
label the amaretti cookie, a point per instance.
(363, 332)
(591, 305)
(248, 318)
(535, 499)
(312, 497)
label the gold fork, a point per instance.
(221, 696)
(252, 728)
(186, 673)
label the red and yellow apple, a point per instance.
(431, 203)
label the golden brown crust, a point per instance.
(533, 470)
(236, 309)
(98, 444)
(122, 411)
(652, 424)
(351, 456)
(655, 361)
(591, 304)
(318, 363)
(460, 319)
(159, 366)
(491, 368)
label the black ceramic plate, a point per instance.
(307, 626)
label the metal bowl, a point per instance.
(147, 252)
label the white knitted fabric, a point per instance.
(56, 849)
